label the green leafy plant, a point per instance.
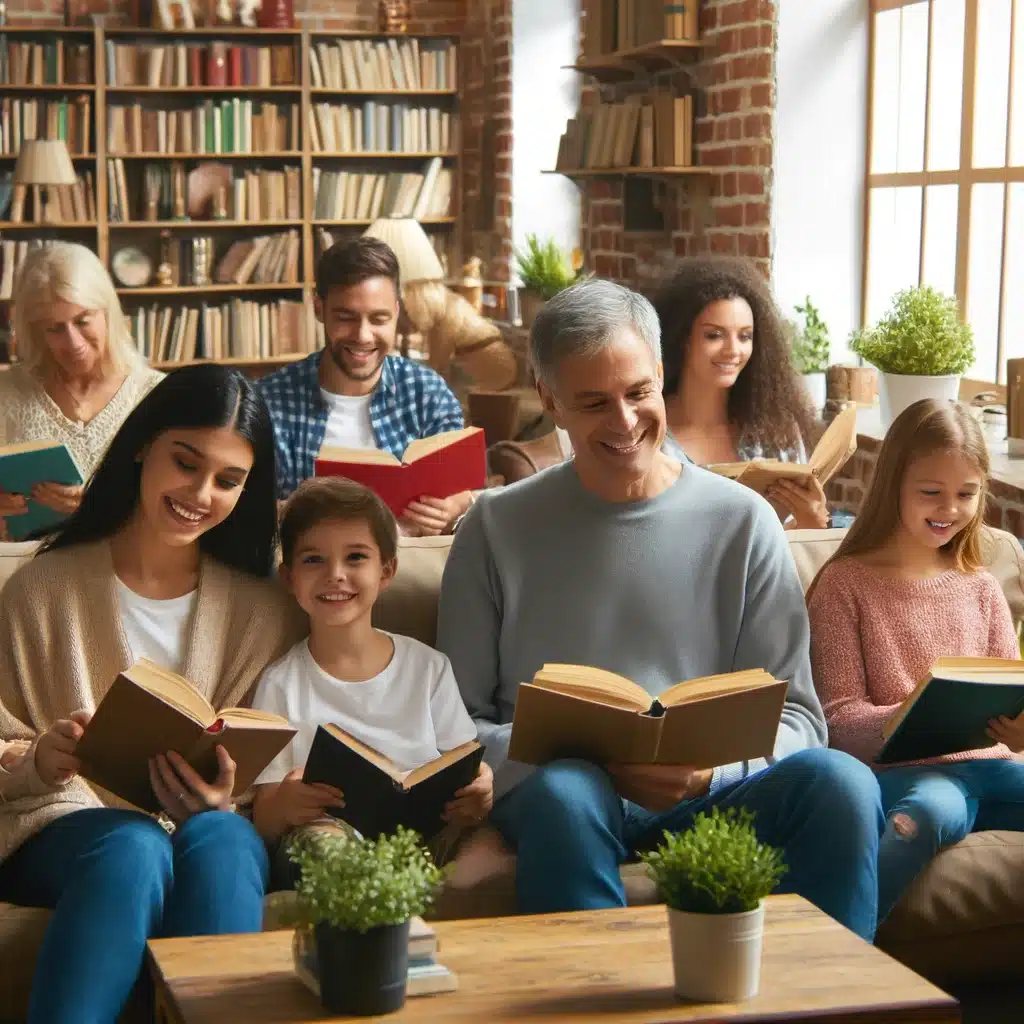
(718, 866)
(812, 347)
(544, 268)
(359, 884)
(920, 336)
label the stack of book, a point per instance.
(215, 64)
(56, 204)
(613, 25)
(358, 195)
(380, 127)
(67, 119)
(54, 62)
(380, 65)
(266, 259)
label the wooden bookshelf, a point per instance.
(108, 235)
(654, 56)
(635, 172)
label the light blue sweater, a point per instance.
(696, 581)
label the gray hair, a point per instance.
(583, 319)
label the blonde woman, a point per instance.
(79, 373)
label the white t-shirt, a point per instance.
(411, 712)
(348, 421)
(157, 630)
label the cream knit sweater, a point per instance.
(62, 645)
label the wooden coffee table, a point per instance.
(605, 965)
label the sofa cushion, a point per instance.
(13, 555)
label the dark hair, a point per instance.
(320, 499)
(356, 260)
(193, 397)
(767, 402)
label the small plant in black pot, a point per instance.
(356, 896)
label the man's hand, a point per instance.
(60, 497)
(182, 791)
(472, 803)
(659, 787)
(805, 502)
(56, 763)
(280, 807)
(431, 517)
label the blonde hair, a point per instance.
(922, 429)
(68, 272)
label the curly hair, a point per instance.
(768, 402)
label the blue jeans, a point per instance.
(114, 879)
(571, 831)
(928, 807)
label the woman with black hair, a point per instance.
(168, 558)
(731, 393)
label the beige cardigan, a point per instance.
(62, 645)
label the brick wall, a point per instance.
(1005, 503)
(734, 84)
(487, 98)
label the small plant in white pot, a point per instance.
(354, 901)
(714, 878)
(812, 350)
(920, 348)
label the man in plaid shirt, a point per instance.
(356, 393)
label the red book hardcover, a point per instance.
(235, 66)
(216, 64)
(440, 466)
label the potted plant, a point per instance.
(811, 349)
(543, 271)
(354, 900)
(714, 878)
(920, 348)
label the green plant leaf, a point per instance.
(544, 269)
(811, 345)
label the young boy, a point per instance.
(339, 551)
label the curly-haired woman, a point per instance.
(731, 393)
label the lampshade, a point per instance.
(416, 257)
(44, 162)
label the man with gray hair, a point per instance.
(624, 559)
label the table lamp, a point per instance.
(44, 162)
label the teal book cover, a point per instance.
(24, 466)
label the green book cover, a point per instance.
(24, 465)
(950, 715)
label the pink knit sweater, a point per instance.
(874, 637)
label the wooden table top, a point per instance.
(606, 965)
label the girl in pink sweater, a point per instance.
(905, 588)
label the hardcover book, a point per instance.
(22, 466)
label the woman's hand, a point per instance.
(472, 803)
(805, 502)
(62, 498)
(182, 791)
(56, 763)
(1009, 731)
(12, 504)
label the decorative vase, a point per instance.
(361, 974)
(814, 384)
(897, 391)
(716, 958)
(530, 304)
(394, 15)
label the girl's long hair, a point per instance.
(193, 397)
(926, 427)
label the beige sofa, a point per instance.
(963, 920)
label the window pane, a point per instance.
(894, 247)
(945, 100)
(885, 117)
(985, 257)
(940, 237)
(1013, 293)
(1017, 135)
(913, 86)
(991, 91)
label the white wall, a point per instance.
(545, 37)
(820, 125)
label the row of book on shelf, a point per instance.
(612, 25)
(642, 131)
(54, 62)
(358, 195)
(22, 120)
(196, 64)
(381, 127)
(379, 65)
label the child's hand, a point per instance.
(291, 803)
(1009, 731)
(472, 803)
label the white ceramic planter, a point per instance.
(814, 383)
(716, 957)
(896, 391)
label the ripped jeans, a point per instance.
(928, 807)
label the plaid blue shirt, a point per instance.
(410, 401)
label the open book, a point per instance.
(577, 711)
(951, 707)
(378, 795)
(830, 454)
(22, 466)
(150, 710)
(439, 466)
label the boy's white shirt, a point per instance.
(411, 712)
